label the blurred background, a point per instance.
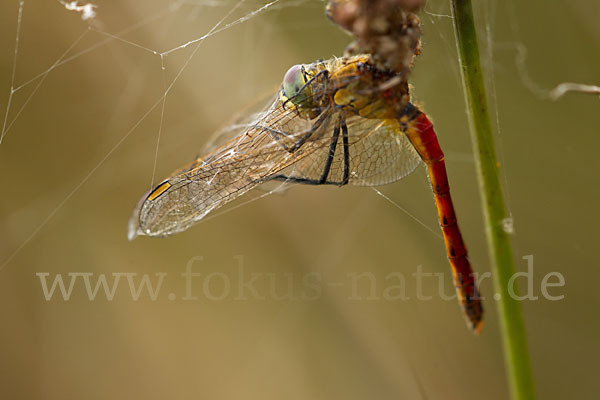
(80, 151)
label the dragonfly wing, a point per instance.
(180, 201)
(381, 154)
(279, 144)
(222, 175)
(378, 153)
(240, 121)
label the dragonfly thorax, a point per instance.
(352, 85)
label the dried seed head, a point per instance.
(386, 29)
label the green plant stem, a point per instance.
(516, 355)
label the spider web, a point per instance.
(234, 13)
(164, 54)
(228, 15)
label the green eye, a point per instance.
(293, 82)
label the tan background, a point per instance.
(329, 348)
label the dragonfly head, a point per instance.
(294, 81)
(297, 90)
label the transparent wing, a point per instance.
(280, 143)
(225, 173)
(240, 121)
(378, 153)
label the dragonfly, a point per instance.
(343, 121)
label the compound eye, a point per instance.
(293, 81)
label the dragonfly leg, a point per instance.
(304, 181)
(332, 148)
(331, 154)
(276, 135)
(346, 176)
(324, 116)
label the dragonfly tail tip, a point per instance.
(476, 327)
